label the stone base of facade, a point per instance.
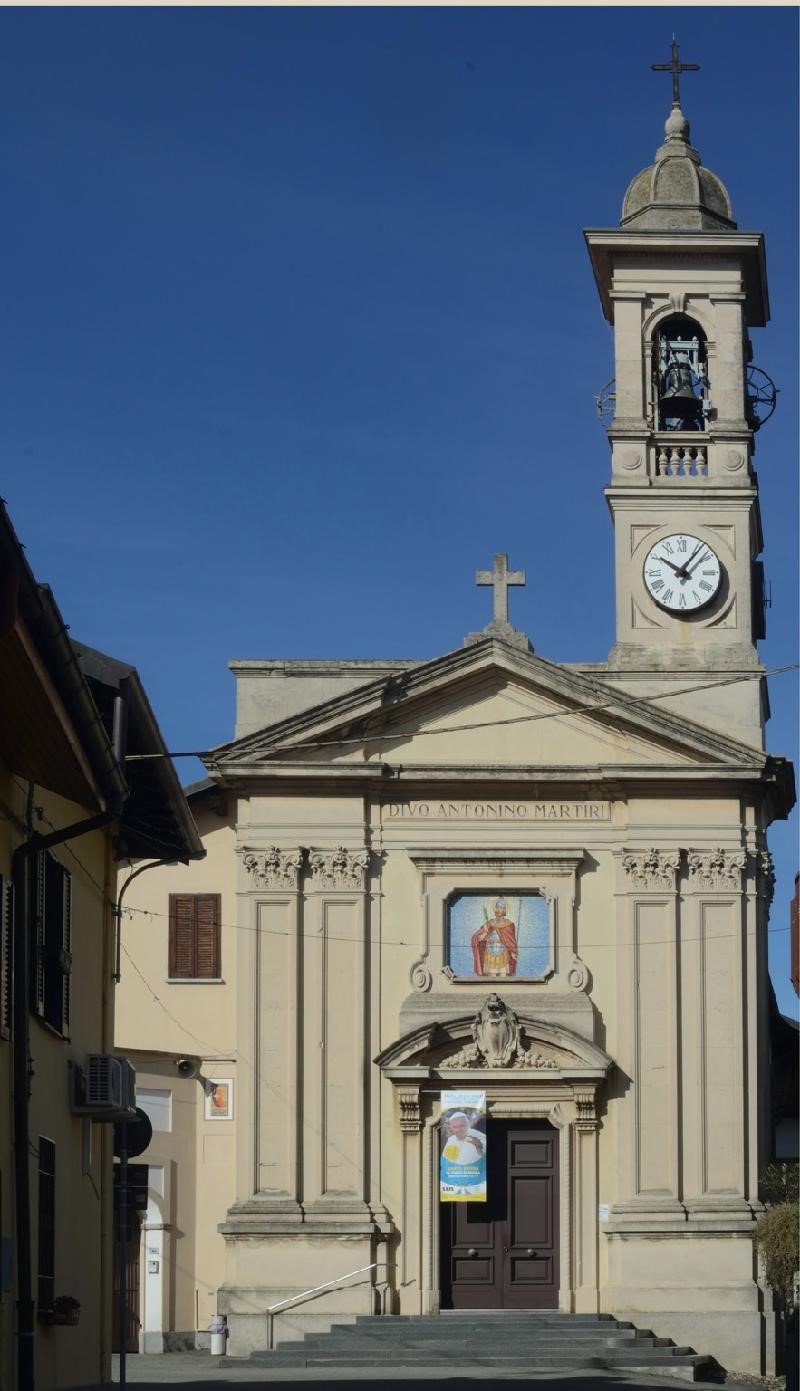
(275, 1256)
(697, 1289)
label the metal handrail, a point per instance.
(295, 1299)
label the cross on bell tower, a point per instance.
(676, 68)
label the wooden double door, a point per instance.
(503, 1254)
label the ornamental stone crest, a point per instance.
(716, 869)
(652, 869)
(339, 868)
(498, 1041)
(273, 868)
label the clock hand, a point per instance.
(684, 571)
(697, 562)
(664, 561)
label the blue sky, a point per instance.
(299, 328)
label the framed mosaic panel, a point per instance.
(219, 1098)
(492, 935)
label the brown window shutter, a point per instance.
(181, 936)
(194, 937)
(6, 969)
(207, 935)
(37, 973)
(66, 952)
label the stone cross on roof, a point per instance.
(501, 578)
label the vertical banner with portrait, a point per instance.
(462, 1167)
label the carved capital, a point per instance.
(410, 1117)
(339, 868)
(585, 1104)
(765, 875)
(651, 869)
(273, 868)
(716, 869)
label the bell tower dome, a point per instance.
(682, 287)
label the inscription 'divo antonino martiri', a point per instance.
(499, 811)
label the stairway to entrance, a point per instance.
(506, 1340)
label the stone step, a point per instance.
(635, 1351)
(469, 1340)
(380, 1328)
(499, 1316)
(508, 1341)
(510, 1362)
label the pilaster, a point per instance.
(714, 1029)
(647, 966)
(335, 1114)
(269, 989)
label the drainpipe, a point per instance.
(21, 1061)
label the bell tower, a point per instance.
(682, 287)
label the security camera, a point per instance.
(187, 1067)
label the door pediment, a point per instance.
(489, 1044)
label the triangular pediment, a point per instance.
(486, 706)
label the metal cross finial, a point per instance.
(500, 577)
(676, 68)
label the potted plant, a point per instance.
(66, 1310)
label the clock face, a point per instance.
(682, 573)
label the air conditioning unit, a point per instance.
(105, 1090)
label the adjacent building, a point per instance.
(72, 806)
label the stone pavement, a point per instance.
(199, 1369)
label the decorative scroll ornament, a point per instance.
(410, 1117)
(578, 974)
(339, 868)
(498, 1041)
(766, 874)
(420, 976)
(273, 868)
(716, 869)
(652, 869)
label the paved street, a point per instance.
(192, 1369)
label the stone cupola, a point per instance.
(676, 192)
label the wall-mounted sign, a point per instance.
(462, 1170)
(497, 936)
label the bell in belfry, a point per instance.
(679, 400)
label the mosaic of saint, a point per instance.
(498, 936)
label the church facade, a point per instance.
(546, 886)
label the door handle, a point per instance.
(472, 1251)
(530, 1251)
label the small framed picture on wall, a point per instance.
(219, 1099)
